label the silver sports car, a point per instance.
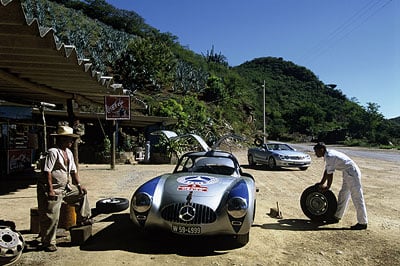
(277, 154)
(206, 194)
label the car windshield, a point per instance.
(278, 147)
(211, 165)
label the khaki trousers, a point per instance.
(49, 210)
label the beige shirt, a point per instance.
(59, 167)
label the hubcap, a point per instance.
(317, 203)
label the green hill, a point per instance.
(208, 96)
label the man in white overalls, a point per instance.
(351, 186)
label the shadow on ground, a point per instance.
(298, 225)
(122, 235)
(17, 181)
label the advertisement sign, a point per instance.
(118, 107)
(19, 160)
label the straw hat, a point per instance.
(65, 131)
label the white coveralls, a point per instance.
(351, 186)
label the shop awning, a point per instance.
(34, 68)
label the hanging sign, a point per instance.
(117, 107)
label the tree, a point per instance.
(215, 90)
(171, 108)
(147, 64)
(374, 120)
(307, 118)
(212, 57)
(355, 124)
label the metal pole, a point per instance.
(113, 145)
(44, 129)
(264, 110)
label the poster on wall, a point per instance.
(19, 159)
(117, 107)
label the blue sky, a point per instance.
(352, 43)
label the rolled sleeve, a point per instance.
(330, 165)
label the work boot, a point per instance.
(50, 248)
(358, 227)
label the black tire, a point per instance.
(258, 142)
(318, 206)
(254, 212)
(110, 205)
(251, 161)
(271, 163)
(303, 168)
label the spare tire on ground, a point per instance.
(110, 205)
(319, 206)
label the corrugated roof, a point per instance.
(35, 68)
(33, 63)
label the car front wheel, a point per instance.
(251, 160)
(271, 163)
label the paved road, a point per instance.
(370, 153)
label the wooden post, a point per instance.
(113, 128)
(71, 120)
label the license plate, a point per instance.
(186, 230)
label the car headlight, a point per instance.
(283, 157)
(237, 207)
(141, 202)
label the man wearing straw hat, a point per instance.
(60, 182)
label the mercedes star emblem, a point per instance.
(187, 213)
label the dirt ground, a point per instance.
(292, 240)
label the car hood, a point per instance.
(291, 153)
(206, 188)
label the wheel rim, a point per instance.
(317, 203)
(11, 245)
(111, 200)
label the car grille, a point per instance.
(204, 214)
(296, 157)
